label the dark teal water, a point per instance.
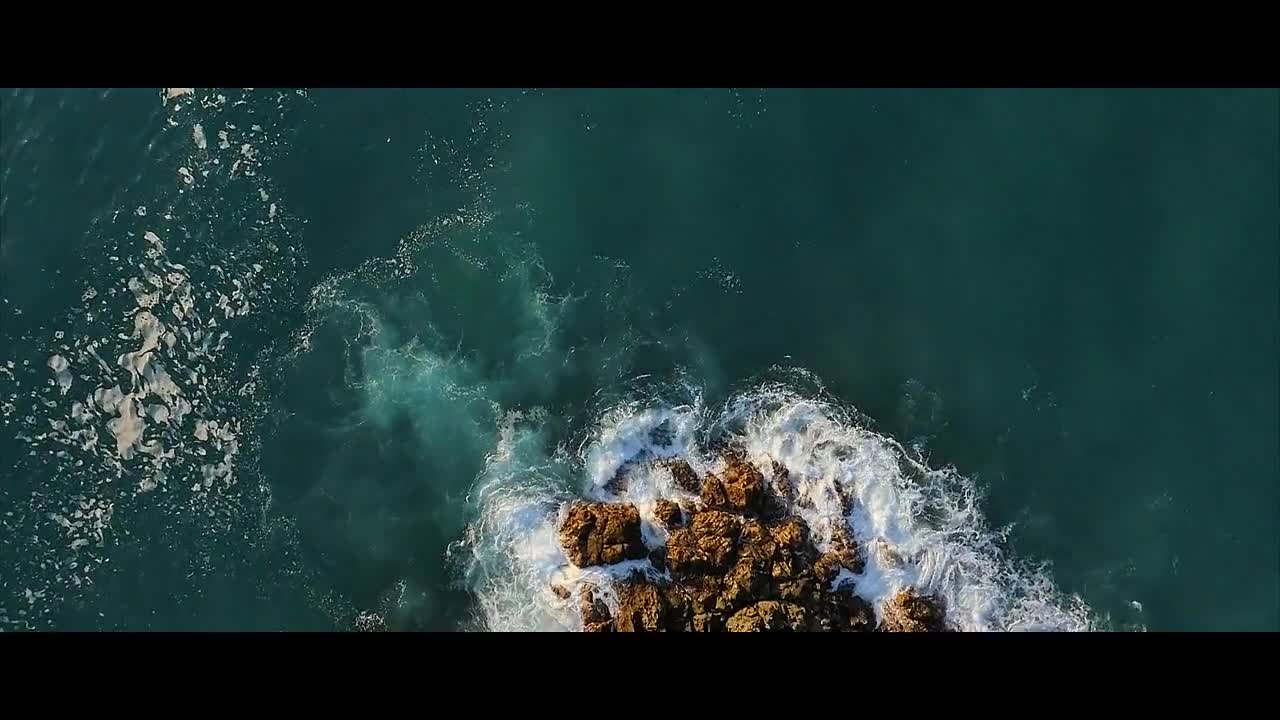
(1068, 295)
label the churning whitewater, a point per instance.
(921, 527)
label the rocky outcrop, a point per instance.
(909, 611)
(706, 547)
(739, 489)
(595, 613)
(602, 534)
(669, 514)
(686, 479)
(735, 560)
(769, 616)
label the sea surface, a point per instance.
(283, 359)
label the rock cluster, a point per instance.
(735, 560)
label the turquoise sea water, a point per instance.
(441, 307)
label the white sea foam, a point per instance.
(155, 318)
(921, 526)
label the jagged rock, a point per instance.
(791, 535)
(641, 608)
(713, 494)
(740, 488)
(595, 613)
(708, 622)
(737, 561)
(602, 534)
(850, 612)
(827, 567)
(743, 485)
(799, 590)
(844, 554)
(757, 540)
(908, 611)
(703, 594)
(708, 545)
(621, 479)
(668, 513)
(773, 508)
(684, 475)
(679, 609)
(745, 583)
(560, 591)
(714, 523)
(769, 616)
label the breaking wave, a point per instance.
(921, 527)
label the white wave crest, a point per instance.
(921, 527)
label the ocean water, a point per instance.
(282, 359)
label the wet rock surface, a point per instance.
(669, 514)
(735, 560)
(602, 534)
(909, 611)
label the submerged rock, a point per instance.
(684, 475)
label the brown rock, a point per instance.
(703, 594)
(908, 611)
(595, 613)
(708, 622)
(827, 567)
(641, 608)
(683, 554)
(756, 543)
(679, 609)
(684, 475)
(743, 485)
(769, 616)
(800, 590)
(783, 569)
(842, 556)
(707, 546)
(848, 552)
(690, 552)
(745, 583)
(602, 534)
(560, 591)
(713, 492)
(717, 524)
(791, 535)
(668, 513)
(754, 532)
